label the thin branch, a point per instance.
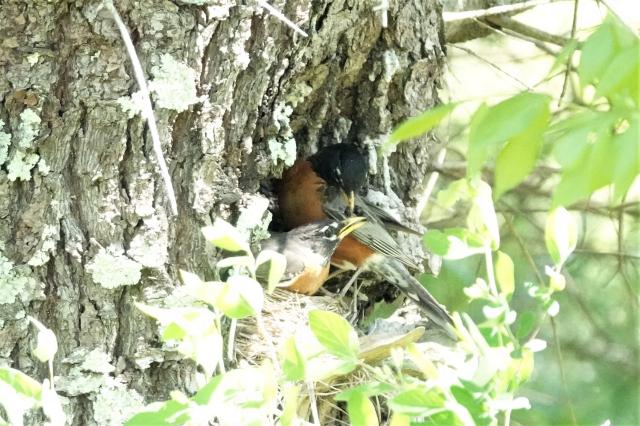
(431, 183)
(496, 10)
(275, 12)
(527, 30)
(606, 253)
(147, 107)
(563, 376)
(494, 66)
(574, 25)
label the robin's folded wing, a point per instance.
(370, 210)
(371, 234)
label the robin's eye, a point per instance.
(328, 232)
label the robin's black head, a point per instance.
(341, 165)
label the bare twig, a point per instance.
(431, 182)
(496, 10)
(563, 376)
(494, 66)
(574, 24)
(147, 107)
(275, 12)
(526, 30)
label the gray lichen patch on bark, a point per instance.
(350, 79)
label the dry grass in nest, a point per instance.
(286, 314)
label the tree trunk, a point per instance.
(83, 207)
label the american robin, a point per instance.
(326, 186)
(308, 250)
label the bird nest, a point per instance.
(286, 314)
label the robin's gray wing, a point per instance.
(371, 234)
(370, 210)
(294, 253)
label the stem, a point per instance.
(231, 340)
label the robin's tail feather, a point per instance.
(396, 273)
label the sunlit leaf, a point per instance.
(416, 126)
(516, 160)
(168, 413)
(398, 419)
(620, 78)
(225, 236)
(563, 56)
(453, 243)
(367, 389)
(505, 274)
(361, 411)
(491, 127)
(193, 330)
(290, 406)
(292, 361)
(561, 235)
(626, 151)
(417, 402)
(335, 334)
(240, 297)
(23, 385)
(525, 324)
(236, 262)
(596, 53)
(482, 219)
(275, 263)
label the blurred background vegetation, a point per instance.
(589, 373)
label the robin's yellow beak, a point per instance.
(350, 224)
(350, 199)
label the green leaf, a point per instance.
(620, 79)
(168, 413)
(453, 243)
(482, 220)
(23, 385)
(601, 47)
(398, 419)
(361, 411)
(240, 297)
(593, 173)
(563, 56)
(525, 324)
(516, 160)
(597, 52)
(560, 235)
(276, 264)
(193, 329)
(456, 191)
(293, 363)
(236, 262)
(335, 334)
(367, 389)
(417, 402)
(492, 126)
(225, 236)
(419, 125)
(207, 392)
(290, 406)
(626, 165)
(505, 274)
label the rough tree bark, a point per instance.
(85, 227)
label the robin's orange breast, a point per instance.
(310, 280)
(301, 196)
(351, 253)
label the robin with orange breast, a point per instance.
(308, 250)
(326, 186)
